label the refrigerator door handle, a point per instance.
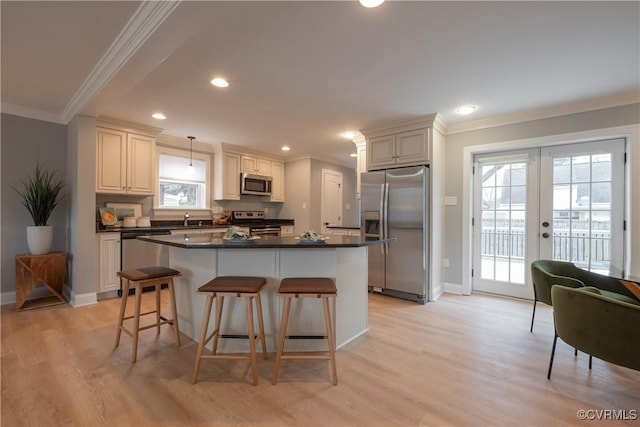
(385, 216)
(381, 218)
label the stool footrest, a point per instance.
(224, 356)
(306, 337)
(306, 356)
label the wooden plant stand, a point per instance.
(48, 269)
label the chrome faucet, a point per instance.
(186, 218)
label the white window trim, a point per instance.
(170, 212)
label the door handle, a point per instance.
(545, 235)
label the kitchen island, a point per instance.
(202, 257)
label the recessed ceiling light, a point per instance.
(466, 109)
(349, 134)
(285, 148)
(371, 3)
(220, 82)
(354, 154)
(159, 116)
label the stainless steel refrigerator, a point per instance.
(394, 204)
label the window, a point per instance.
(181, 187)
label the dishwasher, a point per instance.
(136, 253)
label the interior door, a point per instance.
(505, 222)
(331, 210)
(582, 205)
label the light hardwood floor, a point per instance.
(462, 361)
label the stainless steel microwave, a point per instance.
(258, 185)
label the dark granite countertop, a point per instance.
(344, 227)
(170, 225)
(215, 241)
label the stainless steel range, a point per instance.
(256, 222)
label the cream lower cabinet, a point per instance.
(226, 176)
(108, 252)
(277, 182)
(125, 163)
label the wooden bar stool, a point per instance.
(141, 278)
(307, 287)
(248, 288)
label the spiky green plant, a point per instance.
(41, 194)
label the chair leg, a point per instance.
(533, 315)
(158, 286)
(252, 339)
(332, 350)
(217, 325)
(203, 336)
(174, 310)
(261, 326)
(590, 361)
(553, 351)
(283, 335)
(575, 352)
(136, 322)
(123, 306)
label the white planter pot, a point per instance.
(39, 239)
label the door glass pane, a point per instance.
(582, 211)
(503, 210)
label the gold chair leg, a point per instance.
(174, 310)
(123, 306)
(252, 339)
(332, 350)
(136, 321)
(218, 323)
(283, 335)
(157, 290)
(261, 326)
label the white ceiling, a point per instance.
(303, 72)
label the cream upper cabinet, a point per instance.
(256, 165)
(401, 149)
(108, 253)
(226, 176)
(125, 162)
(277, 182)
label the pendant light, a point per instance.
(191, 169)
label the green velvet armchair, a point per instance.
(596, 323)
(546, 273)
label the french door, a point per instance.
(563, 202)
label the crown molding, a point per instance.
(110, 122)
(146, 19)
(32, 113)
(432, 120)
(592, 104)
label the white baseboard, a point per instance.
(454, 288)
(79, 300)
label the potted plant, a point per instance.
(40, 194)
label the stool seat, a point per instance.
(234, 284)
(146, 273)
(140, 278)
(246, 287)
(307, 285)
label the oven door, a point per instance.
(266, 231)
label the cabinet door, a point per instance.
(111, 161)
(230, 176)
(249, 164)
(263, 167)
(277, 183)
(109, 250)
(412, 147)
(140, 164)
(381, 151)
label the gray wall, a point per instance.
(456, 143)
(24, 143)
(303, 186)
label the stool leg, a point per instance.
(261, 326)
(136, 321)
(332, 350)
(203, 336)
(283, 335)
(217, 325)
(252, 340)
(123, 306)
(174, 310)
(158, 287)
